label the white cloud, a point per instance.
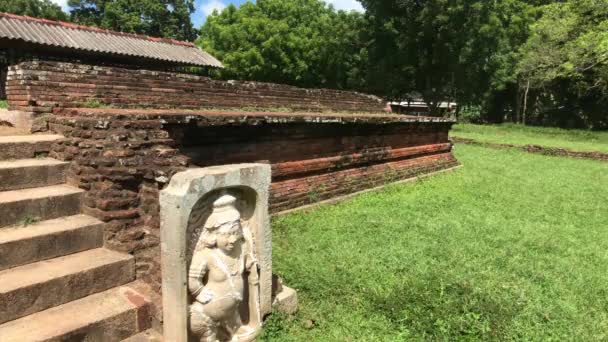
(209, 6)
(62, 3)
(346, 5)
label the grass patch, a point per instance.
(3, 104)
(28, 221)
(513, 246)
(577, 140)
(95, 103)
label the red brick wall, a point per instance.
(312, 162)
(124, 158)
(41, 86)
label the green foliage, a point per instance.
(510, 247)
(577, 140)
(470, 114)
(315, 192)
(3, 104)
(34, 8)
(94, 103)
(299, 42)
(28, 221)
(445, 49)
(565, 62)
(159, 18)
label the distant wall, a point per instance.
(41, 87)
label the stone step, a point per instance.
(26, 146)
(31, 173)
(149, 335)
(29, 205)
(49, 239)
(35, 287)
(112, 315)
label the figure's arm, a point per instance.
(196, 273)
(251, 265)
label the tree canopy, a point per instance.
(445, 49)
(300, 42)
(161, 18)
(34, 8)
(565, 63)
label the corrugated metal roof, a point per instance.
(72, 36)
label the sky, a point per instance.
(206, 7)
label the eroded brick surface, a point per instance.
(39, 86)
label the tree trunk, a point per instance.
(518, 95)
(523, 121)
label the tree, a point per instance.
(34, 8)
(565, 63)
(160, 18)
(299, 42)
(445, 49)
(450, 49)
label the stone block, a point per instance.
(286, 301)
(197, 206)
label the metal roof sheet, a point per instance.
(72, 36)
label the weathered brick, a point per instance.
(124, 157)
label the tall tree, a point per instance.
(300, 42)
(34, 8)
(444, 49)
(565, 63)
(161, 18)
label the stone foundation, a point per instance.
(124, 158)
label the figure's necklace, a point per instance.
(231, 265)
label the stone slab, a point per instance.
(17, 119)
(286, 301)
(177, 201)
(38, 204)
(49, 239)
(112, 315)
(31, 173)
(149, 335)
(26, 146)
(35, 287)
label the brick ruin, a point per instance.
(40, 87)
(123, 153)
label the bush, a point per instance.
(470, 114)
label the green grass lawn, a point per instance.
(578, 140)
(513, 246)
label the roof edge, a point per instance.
(96, 29)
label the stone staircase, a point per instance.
(57, 282)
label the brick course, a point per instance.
(40, 86)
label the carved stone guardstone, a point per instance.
(216, 252)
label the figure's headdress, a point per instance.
(224, 214)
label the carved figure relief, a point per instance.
(223, 277)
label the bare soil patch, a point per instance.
(550, 151)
